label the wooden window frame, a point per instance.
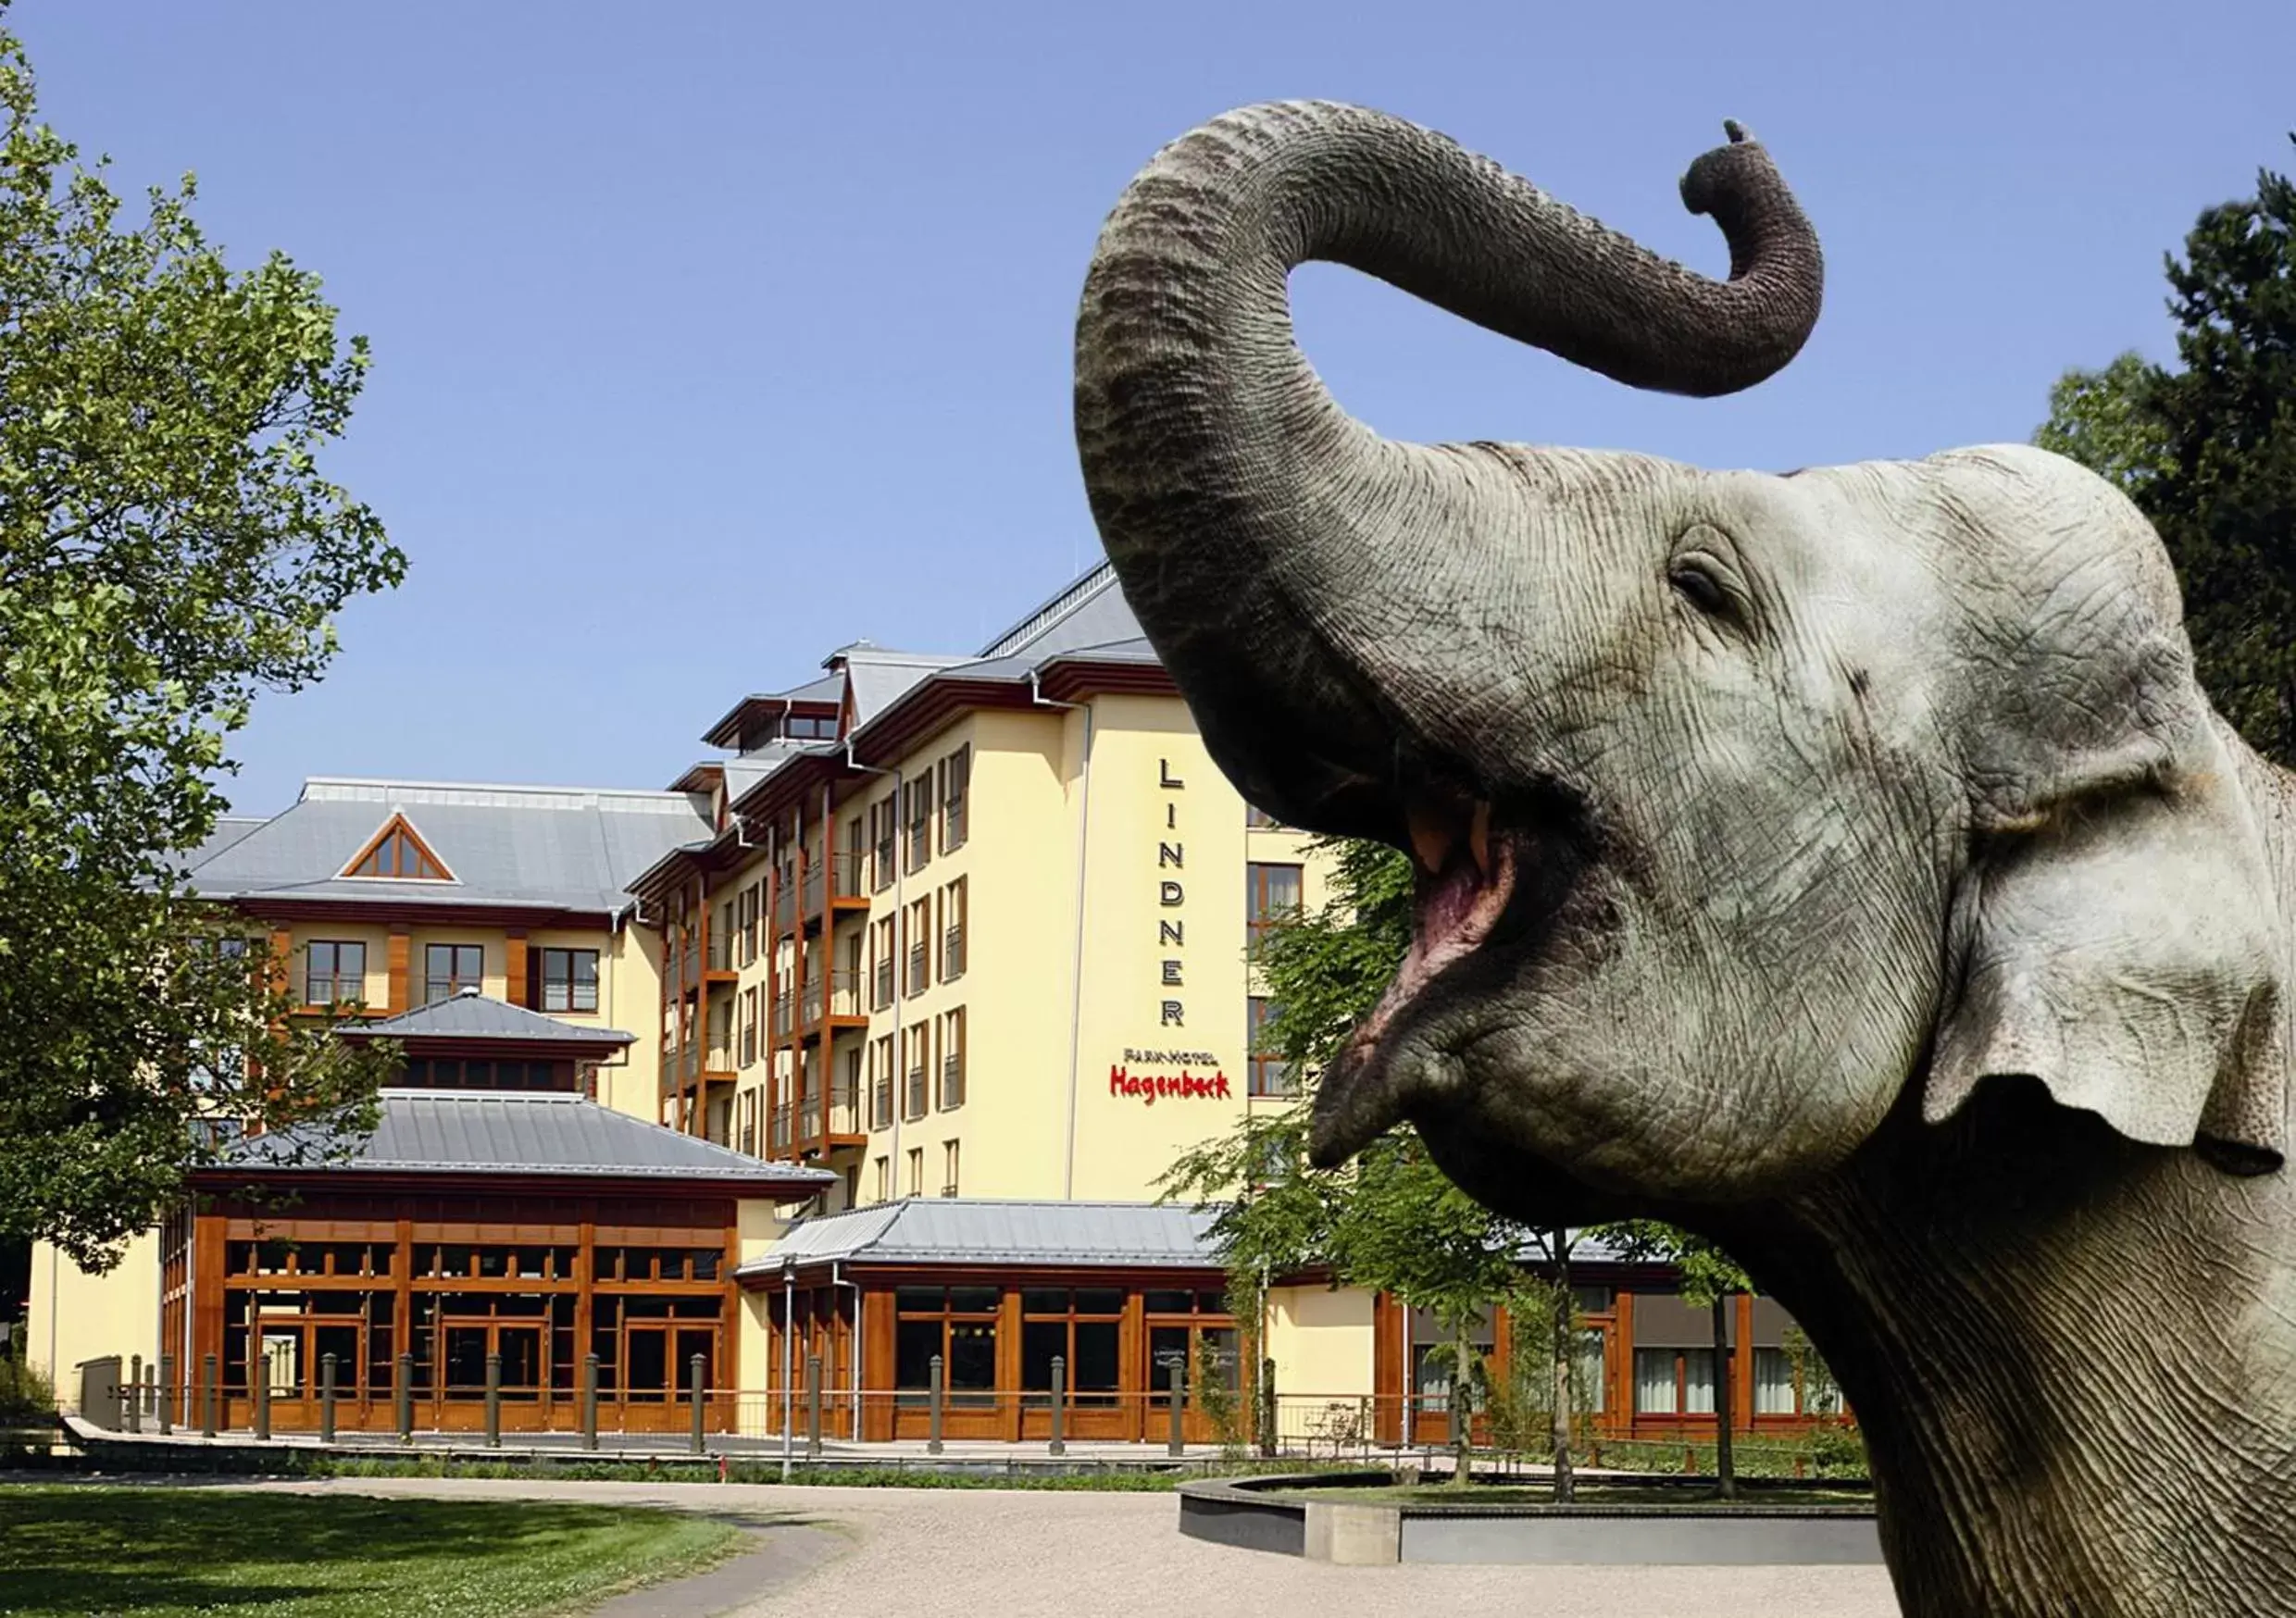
(539, 999)
(456, 982)
(401, 839)
(336, 975)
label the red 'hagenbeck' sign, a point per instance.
(1151, 1087)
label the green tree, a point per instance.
(1708, 1278)
(2207, 450)
(167, 551)
(1391, 1220)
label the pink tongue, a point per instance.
(1454, 912)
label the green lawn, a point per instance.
(158, 1552)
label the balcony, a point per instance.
(845, 992)
(913, 1102)
(811, 902)
(784, 897)
(952, 953)
(845, 874)
(813, 1003)
(780, 1135)
(722, 952)
(952, 1080)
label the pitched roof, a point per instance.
(1089, 610)
(535, 847)
(472, 1016)
(950, 1230)
(479, 1132)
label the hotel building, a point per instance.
(897, 1008)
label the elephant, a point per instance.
(1842, 864)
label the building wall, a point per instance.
(76, 1316)
(1321, 1340)
(1062, 1096)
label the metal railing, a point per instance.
(811, 889)
(845, 874)
(784, 897)
(912, 1099)
(953, 951)
(721, 951)
(880, 1103)
(780, 1131)
(845, 1107)
(952, 1080)
(813, 1002)
(784, 1012)
(844, 992)
(918, 955)
(884, 984)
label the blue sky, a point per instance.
(708, 336)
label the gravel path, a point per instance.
(1045, 1554)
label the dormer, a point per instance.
(398, 853)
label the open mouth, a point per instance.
(1467, 878)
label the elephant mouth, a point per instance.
(1482, 877)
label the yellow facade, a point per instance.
(1054, 992)
(1321, 1340)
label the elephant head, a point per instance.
(1844, 862)
(1736, 799)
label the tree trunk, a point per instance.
(1565, 1487)
(1725, 1472)
(1462, 1405)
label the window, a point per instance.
(917, 799)
(917, 923)
(884, 1178)
(956, 775)
(1779, 1389)
(1674, 1381)
(919, 1042)
(882, 955)
(397, 853)
(334, 971)
(1082, 1327)
(916, 1171)
(810, 727)
(884, 816)
(478, 1073)
(948, 1168)
(570, 980)
(448, 969)
(1271, 1074)
(953, 930)
(881, 1097)
(952, 1060)
(1271, 897)
(749, 1027)
(956, 1325)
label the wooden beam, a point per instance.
(398, 956)
(513, 967)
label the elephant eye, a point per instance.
(1698, 585)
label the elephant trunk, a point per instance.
(1250, 519)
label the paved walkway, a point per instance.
(1056, 1554)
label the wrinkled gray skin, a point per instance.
(1864, 881)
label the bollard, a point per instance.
(326, 1399)
(1177, 1443)
(207, 1395)
(259, 1388)
(405, 1392)
(1267, 1407)
(135, 1393)
(590, 1401)
(932, 1419)
(1059, 1446)
(167, 1394)
(694, 1394)
(813, 1407)
(494, 1401)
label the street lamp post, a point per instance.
(789, 1331)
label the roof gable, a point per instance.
(472, 1016)
(397, 853)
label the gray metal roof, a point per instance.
(472, 1016)
(477, 1132)
(951, 1230)
(1090, 611)
(878, 678)
(540, 847)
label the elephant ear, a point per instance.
(2121, 943)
